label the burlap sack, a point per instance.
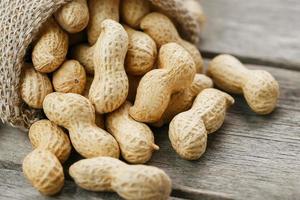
(20, 20)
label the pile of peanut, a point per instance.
(106, 82)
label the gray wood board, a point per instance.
(250, 157)
(259, 31)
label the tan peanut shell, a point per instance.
(136, 139)
(195, 8)
(85, 55)
(77, 114)
(99, 11)
(44, 171)
(109, 89)
(259, 87)
(141, 54)
(46, 135)
(183, 100)
(132, 11)
(188, 130)
(69, 78)
(51, 48)
(163, 31)
(156, 87)
(133, 85)
(34, 87)
(132, 182)
(74, 16)
(99, 118)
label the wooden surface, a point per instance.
(258, 31)
(251, 156)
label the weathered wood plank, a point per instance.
(250, 157)
(14, 146)
(258, 31)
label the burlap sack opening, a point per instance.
(20, 20)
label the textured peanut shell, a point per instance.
(84, 54)
(156, 87)
(141, 54)
(109, 89)
(259, 87)
(132, 11)
(188, 130)
(136, 139)
(99, 118)
(44, 134)
(44, 171)
(34, 87)
(133, 85)
(95, 174)
(195, 8)
(162, 30)
(99, 11)
(183, 100)
(134, 182)
(74, 16)
(69, 78)
(77, 114)
(51, 48)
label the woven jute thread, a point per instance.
(20, 21)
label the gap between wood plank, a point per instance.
(191, 193)
(253, 61)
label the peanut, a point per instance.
(74, 16)
(34, 87)
(77, 114)
(195, 8)
(109, 89)
(136, 139)
(99, 118)
(42, 166)
(46, 135)
(51, 48)
(69, 78)
(188, 130)
(132, 11)
(84, 54)
(163, 31)
(99, 11)
(183, 100)
(134, 182)
(141, 54)
(259, 87)
(157, 86)
(44, 171)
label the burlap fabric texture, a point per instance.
(20, 21)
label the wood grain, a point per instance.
(250, 157)
(258, 31)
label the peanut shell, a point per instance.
(188, 130)
(69, 78)
(109, 89)
(136, 139)
(75, 113)
(156, 87)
